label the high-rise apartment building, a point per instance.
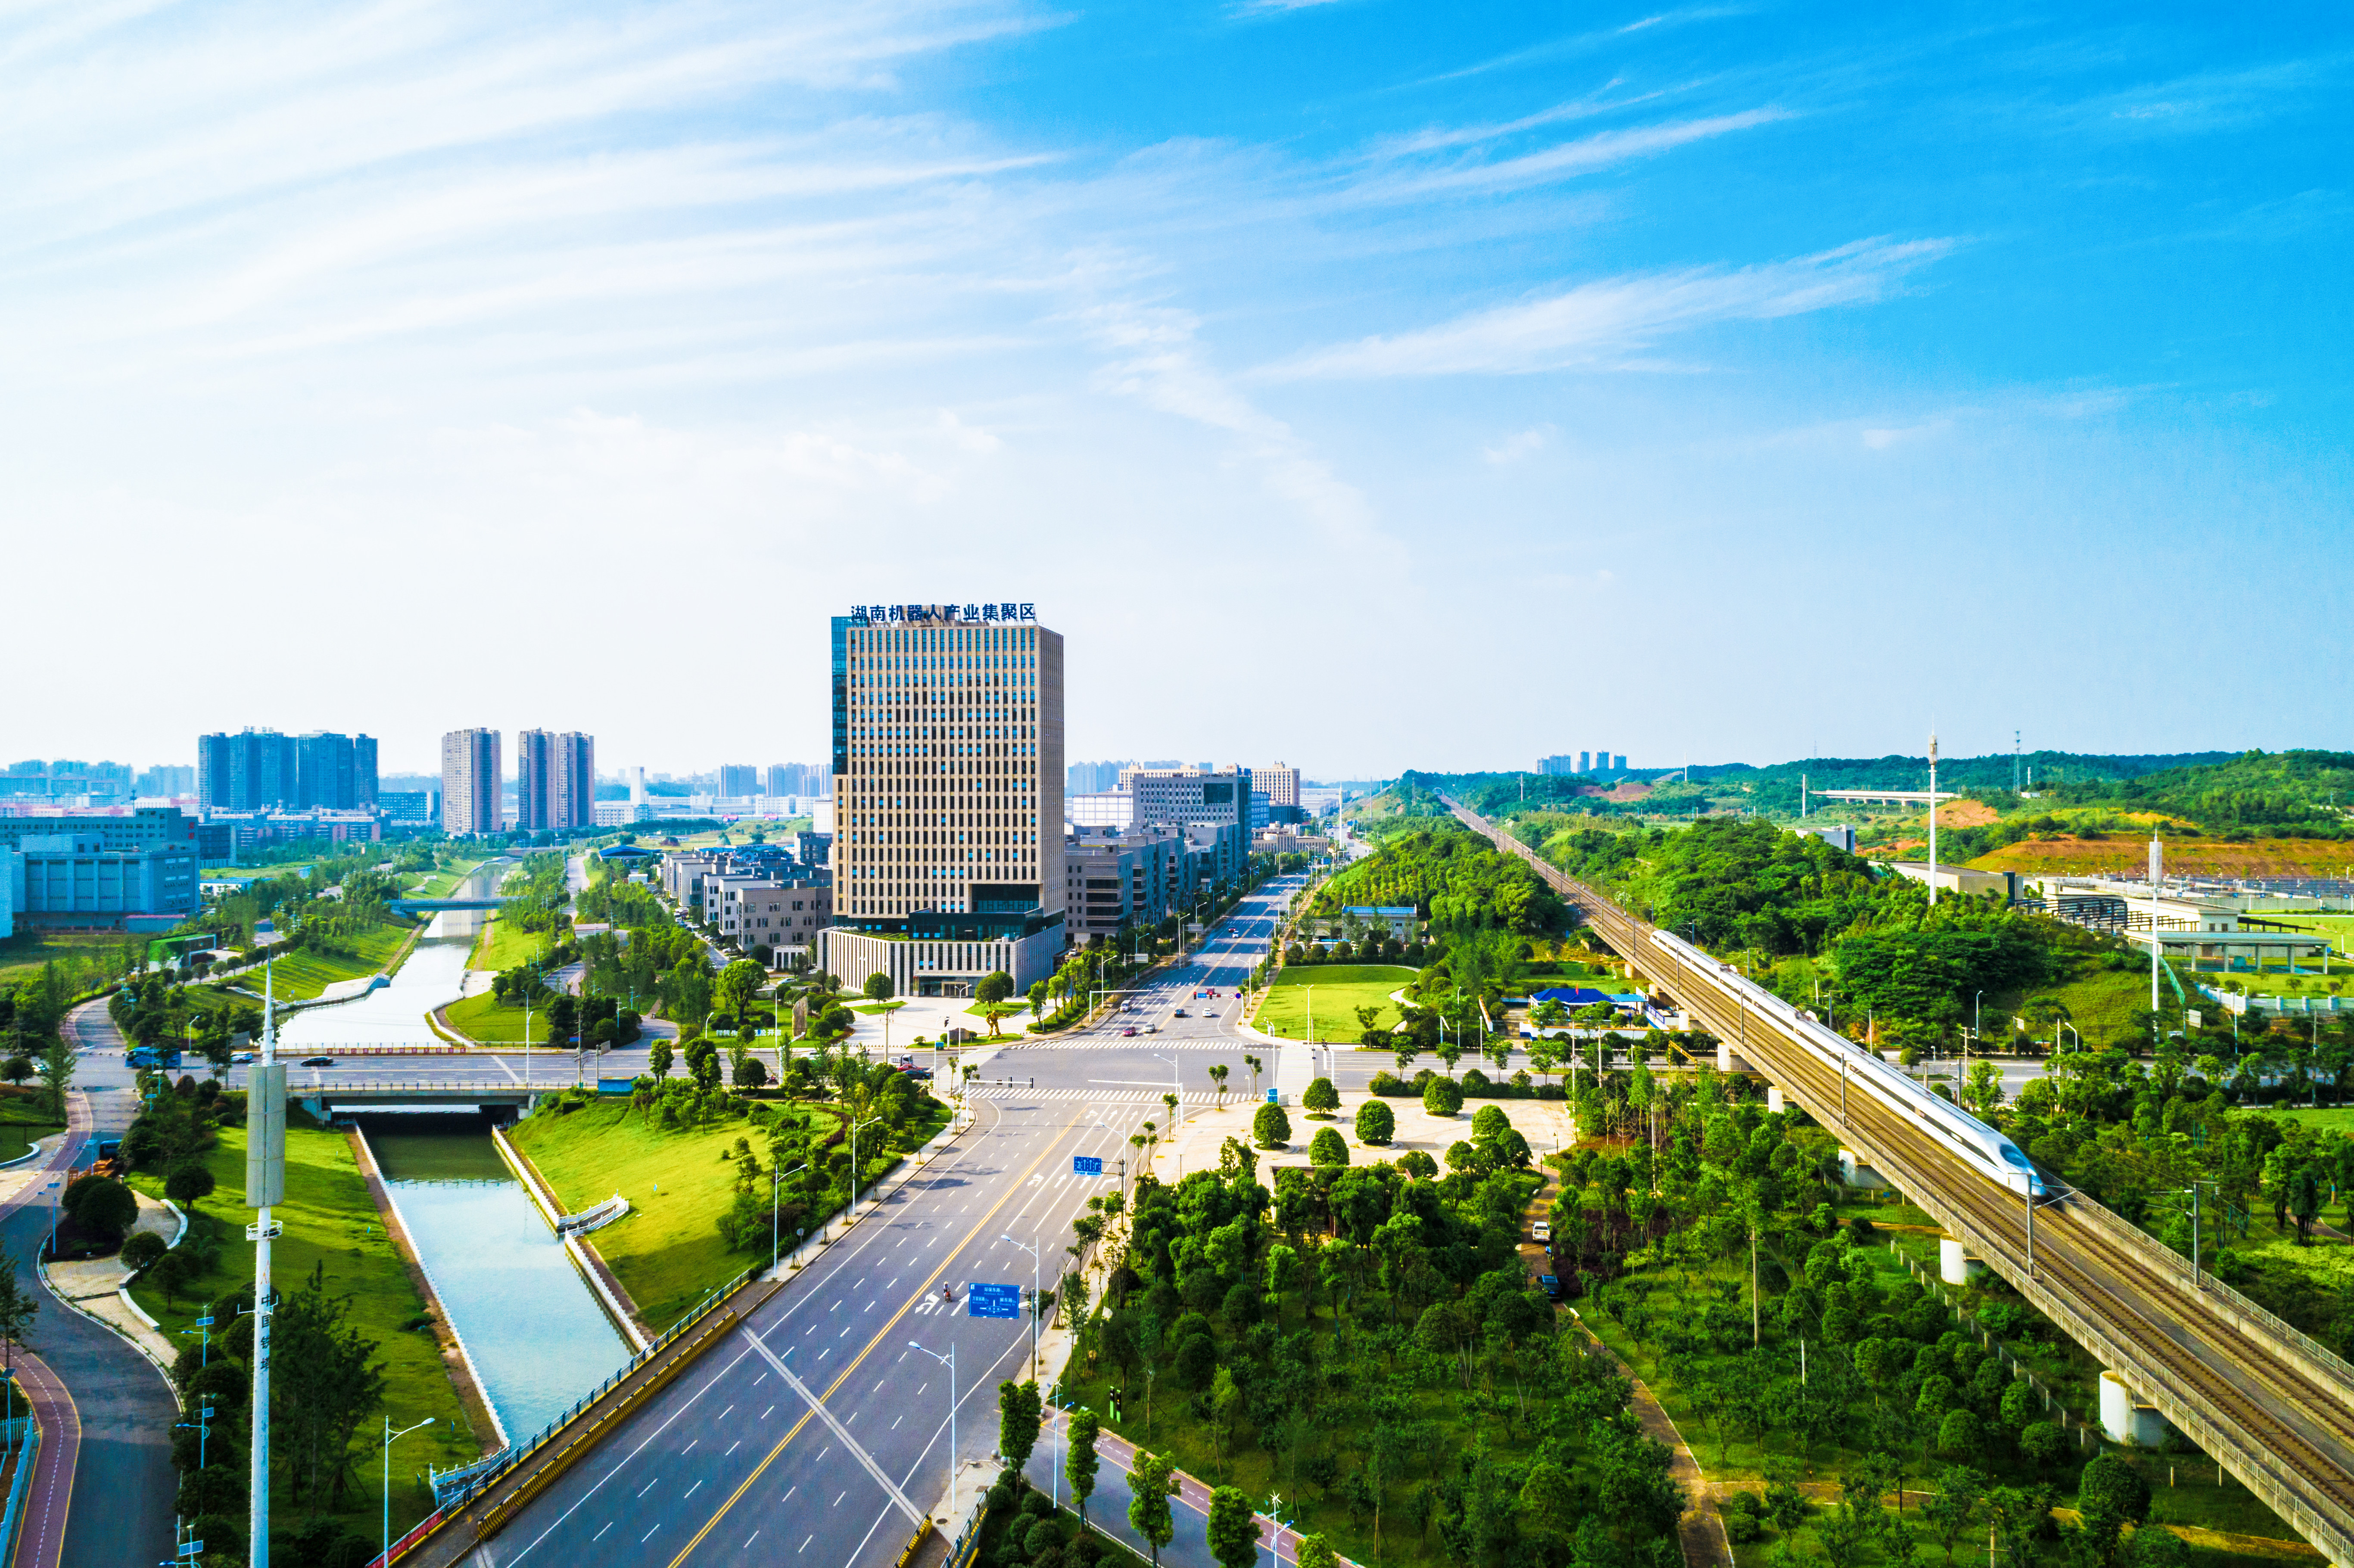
(261, 770)
(947, 794)
(471, 796)
(1281, 784)
(738, 779)
(167, 780)
(556, 780)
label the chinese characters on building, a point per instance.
(923, 614)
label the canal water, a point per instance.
(394, 1014)
(536, 1333)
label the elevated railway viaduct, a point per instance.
(2276, 1408)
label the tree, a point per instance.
(1018, 1411)
(102, 1206)
(1219, 1073)
(657, 1059)
(328, 1382)
(1959, 1432)
(994, 987)
(751, 1073)
(1233, 1532)
(1270, 1129)
(57, 1073)
(1320, 1098)
(2111, 1494)
(1376, 1123)
(1152, 1483)
(188, 1184)
(1079, 1462)
(1037, 994)
(738, 983)
(1313, 1552)
(878, 987)
(1955, 1503)
(2044, 1442)
(1442, 1097)
(1328, 1148)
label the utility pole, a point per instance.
(265, 1188)
(1933, 819)
(2157, 877)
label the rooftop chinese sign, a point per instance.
(940, 614)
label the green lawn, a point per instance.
(330, 1219)
(1341, 989)
(25, 953)
(440, 884)
(667, 1251)
(303, 975)
(504, 945)
(2335, 1118)
(487, 1019)
(24, 1119)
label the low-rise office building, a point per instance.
(74, 880)
(783, 913)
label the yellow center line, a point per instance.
(921, 1292)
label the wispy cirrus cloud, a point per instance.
(1402, 180)
(1601, 324)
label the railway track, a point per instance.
(2273, 1406)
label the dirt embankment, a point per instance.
(2189, 857)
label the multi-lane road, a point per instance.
(731, 1459)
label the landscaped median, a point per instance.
(1339, 991)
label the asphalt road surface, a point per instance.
(730, 1459)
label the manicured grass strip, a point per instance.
(487, 1019)
(303, 975)
(666, 1250)
(330, 1218)
(1341, 989)
(24, 1121)
(505, 945)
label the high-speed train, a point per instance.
(1968, 1138)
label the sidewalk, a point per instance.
(94, 1285)
(1702, 1529)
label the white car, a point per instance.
(1541, 1231)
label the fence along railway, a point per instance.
(2273, 1406)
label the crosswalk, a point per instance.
(1108, 1097)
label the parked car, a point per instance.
(1542, 1231)
(1550, 1284)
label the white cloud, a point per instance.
(1515, 446)
(1597, 324)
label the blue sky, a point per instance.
(1361, 384)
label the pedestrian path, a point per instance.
(41, 1538)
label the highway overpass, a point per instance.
(2276, 1408)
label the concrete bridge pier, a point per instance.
(2128, 1418)
(1774, 1102)
(1954, 1264)
(1857, 1174)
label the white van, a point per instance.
(1542, 1230)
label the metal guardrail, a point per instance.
(28, 1459)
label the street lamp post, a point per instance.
(948, 1360)
(389, 1436)
(776, 1182)
(849, 1216)
(1037, 1266)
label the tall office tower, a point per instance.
(1586, 762)
(534, 771)
(572, 782)
(364, 772)
(737, 778)
(948, 851)
(471, 796)
(1618, 763)
(778, 779)
(1281, 784)
(637, 777)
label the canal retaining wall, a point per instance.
(480, 1411)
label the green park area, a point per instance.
(25, 1121)
(305, 972)
(695, 1164)
(490, 1021)
(443, 882)
(1339, 990)
(334, 1256)
(88, 958)
(505, 945)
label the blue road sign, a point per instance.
(1271, 1097)
(994, 1302)
(1087, 1164)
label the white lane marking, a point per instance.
(691, 1491)
(600, 1534)
(722, 1415)
(650, 1486)
(789, 1494)
(648, 1535)
(749, 1539)
(837, 1502)
(806, 1539)
(733, 1446)
(766, 1414)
